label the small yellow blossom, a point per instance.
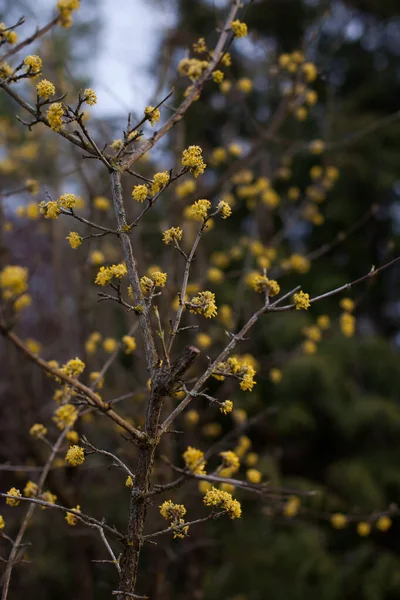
(323, 322)
(194, 460)
(218, 76)
(193, 159)
(310, 71)
(383, 523)
(67, 201)
(313, 333)
(347, 304)
(192, 417)
(74, 367)
(239, 28)
(271, 198)
(22, 302)
(30, 489)
(224, 209)
(33, 64)
(129, 482)
(75, 456)
(245, 85)
(96, 257)
(48, 497)
(38, 430)
(275, 375)
(203, 340)
(316, 147)
(71, 518)
(159, 278)
(129, 344)
(33, 345)
(110, 345)
(253, 475)
(363, 528)
(140, 193)
(301, 300)
(160, 180)
(45, 89)
(65, 416)
(291, 508)
(90, 96)
(72, 437)
(50, 210)
(347, 324)
(200, 46)
(174, 234)
(230, 461)
(74, 239)
(101, 203)
(54, 115)
(199, 210)
(2, 523)
(251, 459)
(171, 511)
(225, 87)
(66, 7)
(226, 407)
(204, 304)
(14, 279)
(262, 284)
(338, 521)
(215, 497)
(309, 347)
(185, 188)
(13, 501)
(152, 114)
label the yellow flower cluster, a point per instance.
(75, 456)
(13, 280)
(230, 463)
(30, 489)
(90, 96)
(110, 345)
(7, 36)
(174, 234)
(65, 416)
(152, 114)
(262, 284)
(54, 115)
(185, 188)
(66, 8)
(291, 507)
(192, 68)
(92, 341)
(101, 203)
(16, 494)
(33, 64)
(253, 475)
(71, 518)
(171, 511)
(241, 368)
(157, 279)
(48, 497)
(2, 523)
(203, 304)
(38, 430)
(199, 210)
(73, 368)
(45, 89)
(239, 28)
(75, 240)
(129, 344)
(224, 208)
(105, 274)
(347, 320)
(50, 209)
(275, 375)
(226, 407)
(223, 499)
(218, 76)
(193, 159)
(301, 300)
(129, 482)
(194, 460)
(200, 46)
(140, 193)
(160, 180)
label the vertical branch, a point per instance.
(144, 317)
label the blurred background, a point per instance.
(328, 414)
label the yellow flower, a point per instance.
(185, 188)
(199, 210)
(14, 279)
(193, 159)
(33, 186)
(226, 407)
(204, 304)
(45, 89)
(338, 521)
(383, 523)
(160, 180)
(22, 302)
(299, 263)
(275, 375)
(75, 456)
(204, 486)
(48, 497)
(129, 344)
(218, 76)
(223, 499)
(363, 528)
(2, 523)
(140, 193)
(30, 489)
(239, 28)
(200, 46)
(129, 482)
(74, 367)
(312, 333)
(90, 96)
(159, 278)
(301, 300)
(316, 147)
(152, 114)
(245, 85)
(66, 7)
(33, 345)
(225, 87)
(13, 501)
(74, 239)
(262, 284)
(271, 198)
(38, 430)
(224, 209)
(72, 437)
(310, 71)
(323, 322)
(347, 324)
(203, 340)
(251, 459)
(174, 234)
(33, 64)
(65, 416)
(194, 460)
(215, 275)
(101, 203)
(192, 417)
(171, 511)
(50, 210)
(96, 257)
(347, 304)
(230, 461)
(253, 475)
(110, 345)
(71, 518)
(291, 507)
(54, 115)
